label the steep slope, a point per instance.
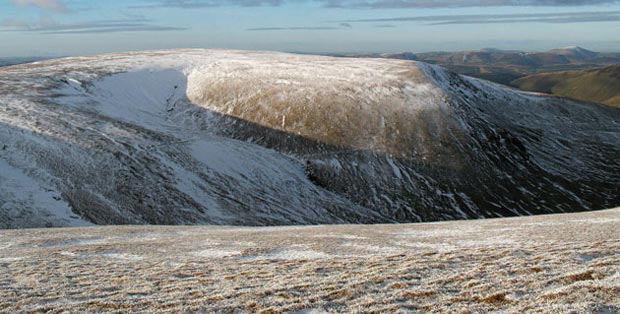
(258, 138)
(598, 85)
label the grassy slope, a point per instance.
(598, 85)
(565, 263)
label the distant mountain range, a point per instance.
(19, 60)
(598, 85)
(505, 66)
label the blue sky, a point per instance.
(73, 27)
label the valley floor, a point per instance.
(548, 264)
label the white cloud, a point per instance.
(50, 5)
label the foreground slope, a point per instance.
(261, 138)
(565, 263)
(600, 85)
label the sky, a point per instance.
(78, 27)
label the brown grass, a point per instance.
(168, 278)
(578, 276)
(413, 294)
(498, 298)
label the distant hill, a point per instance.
(19, 60)
(505, 66)
(598, 85)
(575, 52)
(224, 137)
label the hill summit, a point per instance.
(263, 138)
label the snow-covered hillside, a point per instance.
(262, 138)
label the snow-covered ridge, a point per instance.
(261, 138)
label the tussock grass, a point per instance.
(544, 266)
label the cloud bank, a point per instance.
(553, 18)
(296, 28)
(195, 4)
(50, 5)
(560, 17)
(371, 4)
(400, 4)
(49, 26)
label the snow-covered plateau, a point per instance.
(263, 138)
(563, 263)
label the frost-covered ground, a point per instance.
(566, 263)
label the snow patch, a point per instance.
(121, 256)
(372, 249)
(216, 253)
(292, 254)
(71, 242)
(22, 191)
